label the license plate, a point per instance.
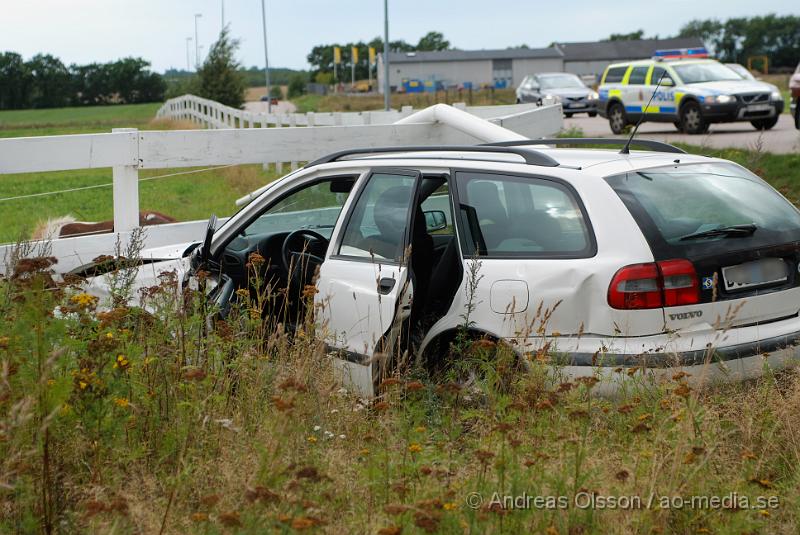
(755, 273)
(759, 107)
(577, 105)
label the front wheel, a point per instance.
(568, 115)
(592, 114)
(797, 114)
(765, 124)
(692, 119)
(616, 118)
(678, 126)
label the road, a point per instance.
(283, 106)
(782, 139)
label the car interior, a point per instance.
(293, 235)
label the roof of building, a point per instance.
(623, 50)
(466, 55)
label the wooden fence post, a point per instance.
(126, 189)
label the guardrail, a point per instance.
(127, 151)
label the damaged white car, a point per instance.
(654, 259)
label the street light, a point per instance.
(188, 61)
(386, 87)
(196, 43)
(223, 14)
(266, 56)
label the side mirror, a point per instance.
(667, 82)
(435, 220)
(205, 251)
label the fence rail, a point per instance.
(127, 151)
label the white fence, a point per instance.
(127, 151)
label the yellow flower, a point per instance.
(51, 382)
(83, 384)
(365, 451)
(420, 429)
(109, 335)
(312, 440)
(121, 402)
(83, 300)
(764, 512)
(65, 409)
(4, 340)
(414, 448)
(122, 362)
(449, 506)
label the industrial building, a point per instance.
(507, 68)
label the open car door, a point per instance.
(365, 289)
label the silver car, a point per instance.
(562, 87)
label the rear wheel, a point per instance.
(797, 114)
(568, 115)
(617, 120)
(692, 119)
(592, 114)
(765, 124)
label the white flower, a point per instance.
(342, 437)
(328, 434)
(334, 411)
(342, 391)
(317, 428)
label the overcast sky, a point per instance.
(81, 31)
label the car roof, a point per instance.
(667, 61)
(588, 162)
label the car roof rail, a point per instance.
(531, 156)
(656, 146)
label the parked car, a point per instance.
(694, 93)
(563, 87)
(794, 87)
(273, 101)
(602, 261)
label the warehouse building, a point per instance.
(507, 68)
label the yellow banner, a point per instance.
(337, 55)
(372, 55)
(354, 52)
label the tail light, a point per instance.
(654, 285)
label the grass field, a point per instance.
(82, 120)
(331, 102)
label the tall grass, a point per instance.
(148, 419)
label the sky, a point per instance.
(83, 31)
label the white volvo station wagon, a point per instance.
(651, 259)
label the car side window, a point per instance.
(437, 207)
(315, 206)
(655, 76)
(520, 216)
(378, 223)
(614, 75)
(638, 75)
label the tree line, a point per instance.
(44, 81)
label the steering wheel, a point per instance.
(300, 265)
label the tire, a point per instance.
(692, 119)
(678, 126)
(617, 120)
(765, 124)
(797, 114)
(592, 114)
(568, 115)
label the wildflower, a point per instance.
(230, 519)
(328, 434)
(83, 300)
(83, 384)
(301, 523)
(4, 340)
(110, 335)
(121, 402)
(317, 428)
(244, 293)
(364, 451)
(51, 382)
(334, 411)
(199, 517)
(342, 437)
(413, 386)
(256, 259)
(420, 429)
(312, 439)
(122, 362)
(414, 447)
(764, 512)
(449, 506)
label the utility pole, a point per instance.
(386, 87)
(196, 43)
(266, 56)
(223, 15)
(188, 61)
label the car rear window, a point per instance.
(521, 216)
(614, 75)
(671, 203)
(638, 75)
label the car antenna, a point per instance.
(627, 148)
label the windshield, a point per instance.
(741, 71)
(678, 201)
(696, 73)
(560, 81)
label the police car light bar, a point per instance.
(681, 53)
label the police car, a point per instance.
(694, 92)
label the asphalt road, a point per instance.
(784, 138)
(283, 107)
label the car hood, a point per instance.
(733, 87)
(567, 92)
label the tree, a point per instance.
(297, 86)
(15, 81)
(219, 76)
(433, 41)
(633, 36)
(51, 82)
